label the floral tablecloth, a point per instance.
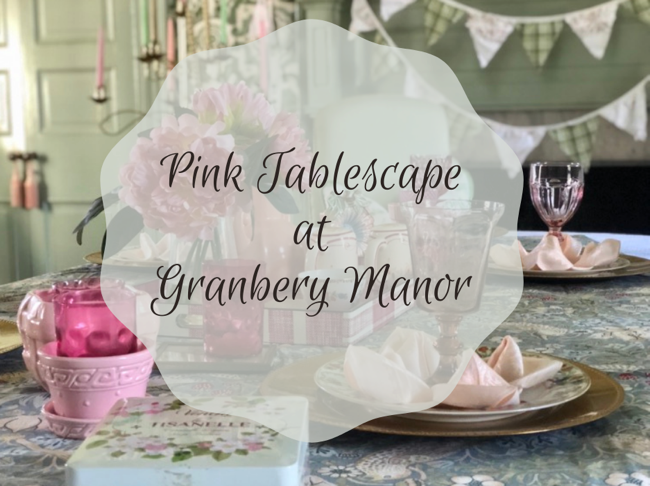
(603, 324)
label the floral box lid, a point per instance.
(163, 441)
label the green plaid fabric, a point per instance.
(438, 17)
(538, 39)
(462, 129)
(641, 8)
(385, 62)
(379, 39)
(577, 141)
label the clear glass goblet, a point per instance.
(452, 238)
(556, 191)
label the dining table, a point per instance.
(604, 324)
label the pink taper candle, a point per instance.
(32, 197)
(171, 44)
(99, 73)
(16, 188)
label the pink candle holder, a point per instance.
(85, 389)
(86, 324)
(233, 330)
(36, 325)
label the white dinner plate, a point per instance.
(568, 384)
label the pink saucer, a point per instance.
(68, 428)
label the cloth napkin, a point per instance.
(499, 381)
(551, 255)
(398, 373)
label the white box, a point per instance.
(163, 442)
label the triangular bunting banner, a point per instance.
(388, 8)
(415, 87)
(438, 17)
(363, 19)
(462, 127)
(629, 113)
(521, 140)
(412, 86)
(577, 141)
(538, 39)
(379, 39)
(488, 33)
(594, 27)
(385, 62)
(641, 8)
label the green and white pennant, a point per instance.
(538, 39)
(639, 7)
(383, 62)
(438, 17)
(577, 141)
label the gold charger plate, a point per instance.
(604, 396)
(95, 258)
(636, 266)
(9, 336)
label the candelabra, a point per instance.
(151, 57)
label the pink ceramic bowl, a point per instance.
(36, 326)
(68, 428)
(86, 388)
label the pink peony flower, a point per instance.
(250, 118)
(245, 115)
(286, 127)
(254, 446)
(155, 447)
(186, 211)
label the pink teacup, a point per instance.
(86, 388)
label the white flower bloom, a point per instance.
(340, 471)
(225, 447)
(622, 479)
(476, 480)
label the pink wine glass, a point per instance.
(556, 191)
(232, 330)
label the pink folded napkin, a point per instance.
(398, 373)
(498, 382)
(551, 255)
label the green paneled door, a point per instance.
(58, 51)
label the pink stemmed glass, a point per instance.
(451, 238)
(556, 191)
(233, 330)
(87, 325)
(86, 283)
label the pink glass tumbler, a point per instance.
(232, 330)
(86, 325)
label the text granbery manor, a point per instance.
(244, 289)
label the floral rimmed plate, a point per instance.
(568, 384)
